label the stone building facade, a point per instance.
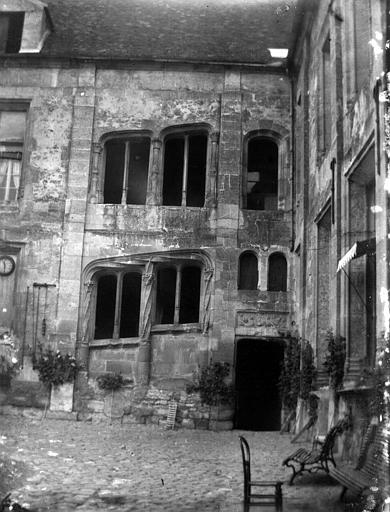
(166, 206)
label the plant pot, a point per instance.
(61, 397)
(5, 381)
(221, 417)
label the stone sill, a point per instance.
(356, 390)
(168, 328)
(117, 343)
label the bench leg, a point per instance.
(295, 472)
(344, 490)
(278, 496)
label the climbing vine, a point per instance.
(290, 375)
(308, 370)
(335, 359)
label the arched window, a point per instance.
(126, 170)
(178, 294)
(118, 305)
(248, 274)
(185, 158)
(277, 273)
(262, 174)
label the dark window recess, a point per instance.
(173, 172)
(126, 173)
(105, 307)
(166, 291)
(197, 153)
(130, 307)
(189, 295)
(248, 272)
(185, 170)
(262, 175)
(277, 273)
(11, 29)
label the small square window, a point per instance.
(11, 28)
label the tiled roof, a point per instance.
(190, 30)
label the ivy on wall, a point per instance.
(335, 359)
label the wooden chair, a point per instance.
(265, 498)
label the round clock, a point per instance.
(7, 265)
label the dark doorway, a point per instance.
(258, 366)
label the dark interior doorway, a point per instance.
(258, 366)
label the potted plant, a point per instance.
(8, 369)
(110, 382)
(58, 371)
(214, 391)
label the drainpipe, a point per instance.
(293, 164)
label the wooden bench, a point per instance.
(318, 457)
(371, 467)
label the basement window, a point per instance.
(277, 273)
(126, 170)
(12, 132)
(178, 294)
(185, 158)
(118, 305)
(261, 188)
(248, 275)
(11, 29)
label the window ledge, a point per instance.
(116, 343)
(167, 328)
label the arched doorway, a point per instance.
(258, 366)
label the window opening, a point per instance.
(118, 305)
(262, 175)
(166, 291)
(185, 159)
(12, 130)
(11, 28)
(130, 306)
(248, 274)
(277, 273)
(189, 295)
(178, 295)
(105, 307)
(126, 173)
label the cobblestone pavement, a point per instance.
(64, 466)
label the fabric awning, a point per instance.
(358, 249)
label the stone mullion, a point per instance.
(126, 170)
(211, 192)
(177, 295)
(95, 189)
(155, 178)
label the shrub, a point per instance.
(8, 370)
(210, 383)
(55, 368)
(110, 381)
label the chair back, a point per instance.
(246, 459)
(327, 447)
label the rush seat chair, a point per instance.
(251, 497)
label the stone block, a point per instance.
(187, 423)
(61, 415)
(220, 425)
(96, 406)
(201, 424)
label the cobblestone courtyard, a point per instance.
(65, 465)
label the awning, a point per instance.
(358, 249)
